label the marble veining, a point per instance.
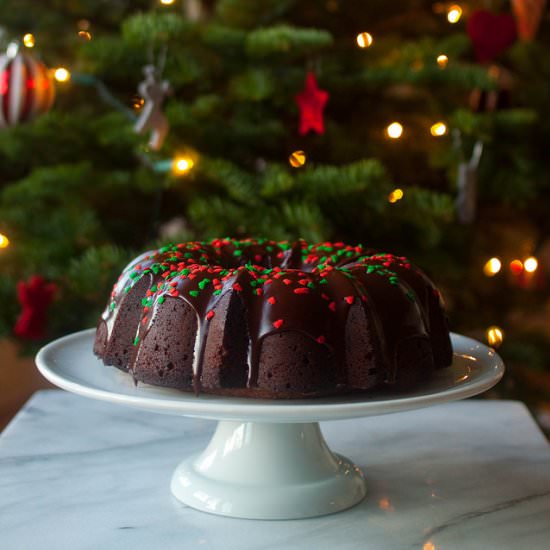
(82, 474)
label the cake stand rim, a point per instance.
(256, 410)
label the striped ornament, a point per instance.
(26, 89)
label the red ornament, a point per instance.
(311, 101)
(35, 296)
(491, 34)
(26, 89)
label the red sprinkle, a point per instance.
(332, 306)
(271, 300)
(237, 287)
(321, 339)
(287, 281)
(209, 315)
(303, 282)
(278, 323)
(301, 290)
(258, 258)
(325, 296)
(259, 291)
(349, 299)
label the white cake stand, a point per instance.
(267, 459)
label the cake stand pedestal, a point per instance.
(267, 459)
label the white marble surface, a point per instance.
(80, 474)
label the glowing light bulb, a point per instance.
(516, 267)
(492, 267)
(28, 40)
(61, 74)
(454, 13)
(85, 35)
(137, 102)
(442, 60)
(297, 159)
(4, 241)
(530, 264)
(395, 195)
(364, 40)
(166, 2)
(394, 130)
(495, 336)
(438, 129)
(428, 545)
(182, 165)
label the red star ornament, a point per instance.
(311, 101)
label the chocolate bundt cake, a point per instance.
(274, 319)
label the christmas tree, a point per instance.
(416, 127)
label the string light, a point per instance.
(4, 241)
(442, 60)
(454, 13)
(364, 40)
(428, 545)
(85, 35)
(297, 159)
(495, 336)
(438, 129)
(62, 75)
(530, 264)
(182, 165)
(166, 2)
(492, 267)
(28, 40)
(395, 195)
(137, 102)
(516, 267)
(394, 130)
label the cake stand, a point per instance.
(266, 459)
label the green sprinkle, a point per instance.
(112, 306)
(194, 293)
(161, 299)
(203, 283)
(136, 340)
(144, 302)
(323, 282)
(217, 292)
(238, 253)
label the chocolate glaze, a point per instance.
(285, 287)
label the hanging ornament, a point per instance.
(466, 180)
(528, 14)
(34, 296)
(491, 34)
(311, 102)
(487, 101)
(151, 118)
(193, 10)
(26, 88)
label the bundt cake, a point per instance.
(272, 319)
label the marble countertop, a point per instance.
(82, 474)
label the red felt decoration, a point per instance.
(491, 33)
(35, 296)
(311, 101)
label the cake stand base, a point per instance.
(261, 470)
